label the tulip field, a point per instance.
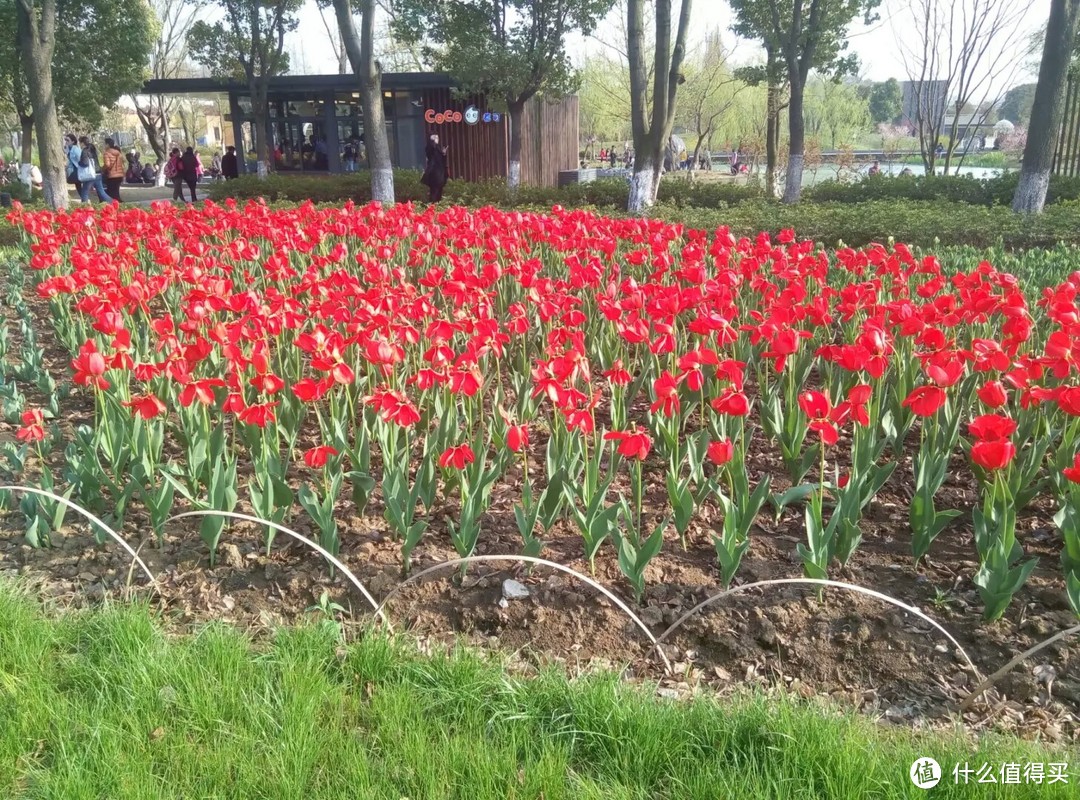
(627, 379)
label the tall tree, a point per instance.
(652, 117)
(36, 31)
(710, 91)
(805, 35)
(1016, 104)
(360, 49)
(94, 61)
(1048, 106)
(248, 44)
(508, 50)
(886, 101)
(958, 54)
(773, 76)
(168, 59)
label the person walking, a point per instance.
(89, 174)
(230, 168)
(192, 169)
(435, 173)
(71, 169)
(611, 157)
(113, 168)
(174, 173)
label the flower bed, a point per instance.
(646, 384)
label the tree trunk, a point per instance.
(37, 37)
(516, 112)
(1048, 107)
(772, 139)
(360, 49)
(26, 122)
(260, 111)
(796, 144)
(642, 183)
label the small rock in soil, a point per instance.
(652, 616)
(767, 633)
(230, 556)
(87, 576)
(504, 603)
(667, 694)
(512, 590)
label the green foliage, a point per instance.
(509, 50)
(98, 57)
(886, 101)
(1017, 103)
(120, 701)
(922, 223)
(608, 193)
(809, 34)
(248, 43)
(958, 189)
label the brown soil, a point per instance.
(845, 646)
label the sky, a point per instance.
(877, 45)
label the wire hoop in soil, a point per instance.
(302, 539)
(76, 507)
(818, 582)
(989, 682)
(543, 562)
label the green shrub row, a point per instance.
(605, 193)
(958, 189)
(922, 223)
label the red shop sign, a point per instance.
(431, 117)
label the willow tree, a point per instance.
(652, 118)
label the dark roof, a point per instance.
(296, 83)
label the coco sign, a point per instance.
(472, 115)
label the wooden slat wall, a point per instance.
(549, 135)
(477, 152)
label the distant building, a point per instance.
(930, 95)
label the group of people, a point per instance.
(88, 169)
(611, 157)
(106, 171)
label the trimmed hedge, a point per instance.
(605, 193)
(921, 223)
(959, 189)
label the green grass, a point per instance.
(106, 704)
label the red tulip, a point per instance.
(317, 457)
(89, 367)
(817, 407)
(1073, 472)
(721, 452)
(991, 427)
(146, 406)
(632, 444)
(617, 376)
(457, 457)
(33, 429)
(517, 437)
(994, 454)
(666, 388)
(202, 390)
(925, 401)
(992, 394)
(731, 403)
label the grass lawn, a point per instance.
(107, 704)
